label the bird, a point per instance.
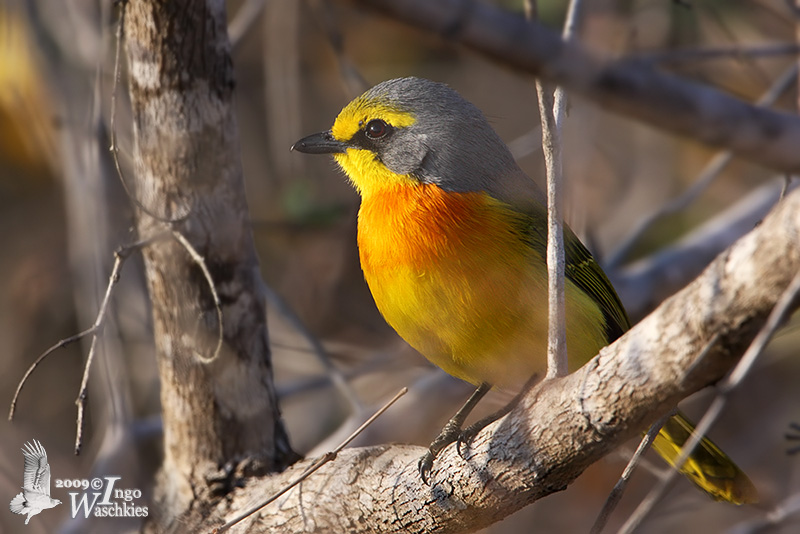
(35, 495)
(452, 237)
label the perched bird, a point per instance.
(35, 496)
(452, 237)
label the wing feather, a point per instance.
(582, 270)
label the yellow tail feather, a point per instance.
(708, 467)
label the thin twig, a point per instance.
(319, 462)
(35, 364)
(551, 144)
(780, 513)
(201, 262)
(243, 20)
(351, 78)
(619, 488)
(336, 376)
(114, 148)
(552, 111)
(80, 402)
(724, 389)
(557, 335)
(710, 172)
(713, 53)
(120, 255)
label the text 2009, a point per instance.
(76, 483)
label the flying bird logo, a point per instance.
(35, 495)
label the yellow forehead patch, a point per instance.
(360, 111)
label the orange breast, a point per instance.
(418, 225)
(452, 274)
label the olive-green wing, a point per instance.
(708, 467)
(583, 271)
(587, 274)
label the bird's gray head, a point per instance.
(416, 129)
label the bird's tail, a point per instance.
(18, 504)
(707, 467)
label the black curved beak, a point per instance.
(320, 143)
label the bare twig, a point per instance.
(551, 145)
(336, 376)
(35, 364)
(352, 79)
(782, 511)
(557, 334)
(551, 112)
(619, 488)
(319, 462)
(243, 20)
(201, 263)
(721, 52)
(120, 255)
(710, 172)
(776, 318)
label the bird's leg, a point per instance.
(451, 431)
(469, 433)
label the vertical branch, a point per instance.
(570, 30)
(552, 110)
(557, 364)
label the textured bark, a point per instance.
(561, 427)
(186, 162)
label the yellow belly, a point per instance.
(453, 275)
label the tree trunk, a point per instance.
(218, 408)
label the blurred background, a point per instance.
(63, 211)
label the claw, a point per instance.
(450, 433)
(465, 439)
(425, 465)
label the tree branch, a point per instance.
(629, 87)
(562, 426)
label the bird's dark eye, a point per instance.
(376, 129)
